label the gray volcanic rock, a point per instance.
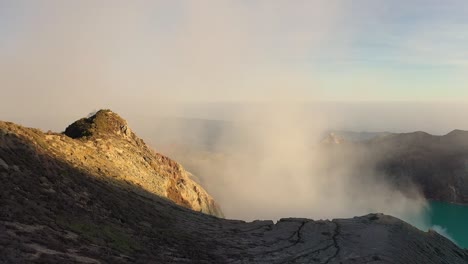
(56, 210)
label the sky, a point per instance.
(135, 56)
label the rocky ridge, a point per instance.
(436, 165)
(104, 145)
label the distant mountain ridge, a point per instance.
(368, 136)
(438, 165)
(352, 136)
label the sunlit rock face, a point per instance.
(103, 145)
(102, 123)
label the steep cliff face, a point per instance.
(104, 146)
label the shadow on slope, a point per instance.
(66, 213)
(53, 212)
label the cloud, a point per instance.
(208, 51)
(443, 231)
(267, 164)
(58, 55)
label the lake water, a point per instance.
(451, 219)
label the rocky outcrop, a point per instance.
(104, 145)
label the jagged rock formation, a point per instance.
(105, 146)
(57, 209)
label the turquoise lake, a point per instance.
(452, 218)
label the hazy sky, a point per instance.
(76, 56)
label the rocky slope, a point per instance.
(60, 203)
(104, 145)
